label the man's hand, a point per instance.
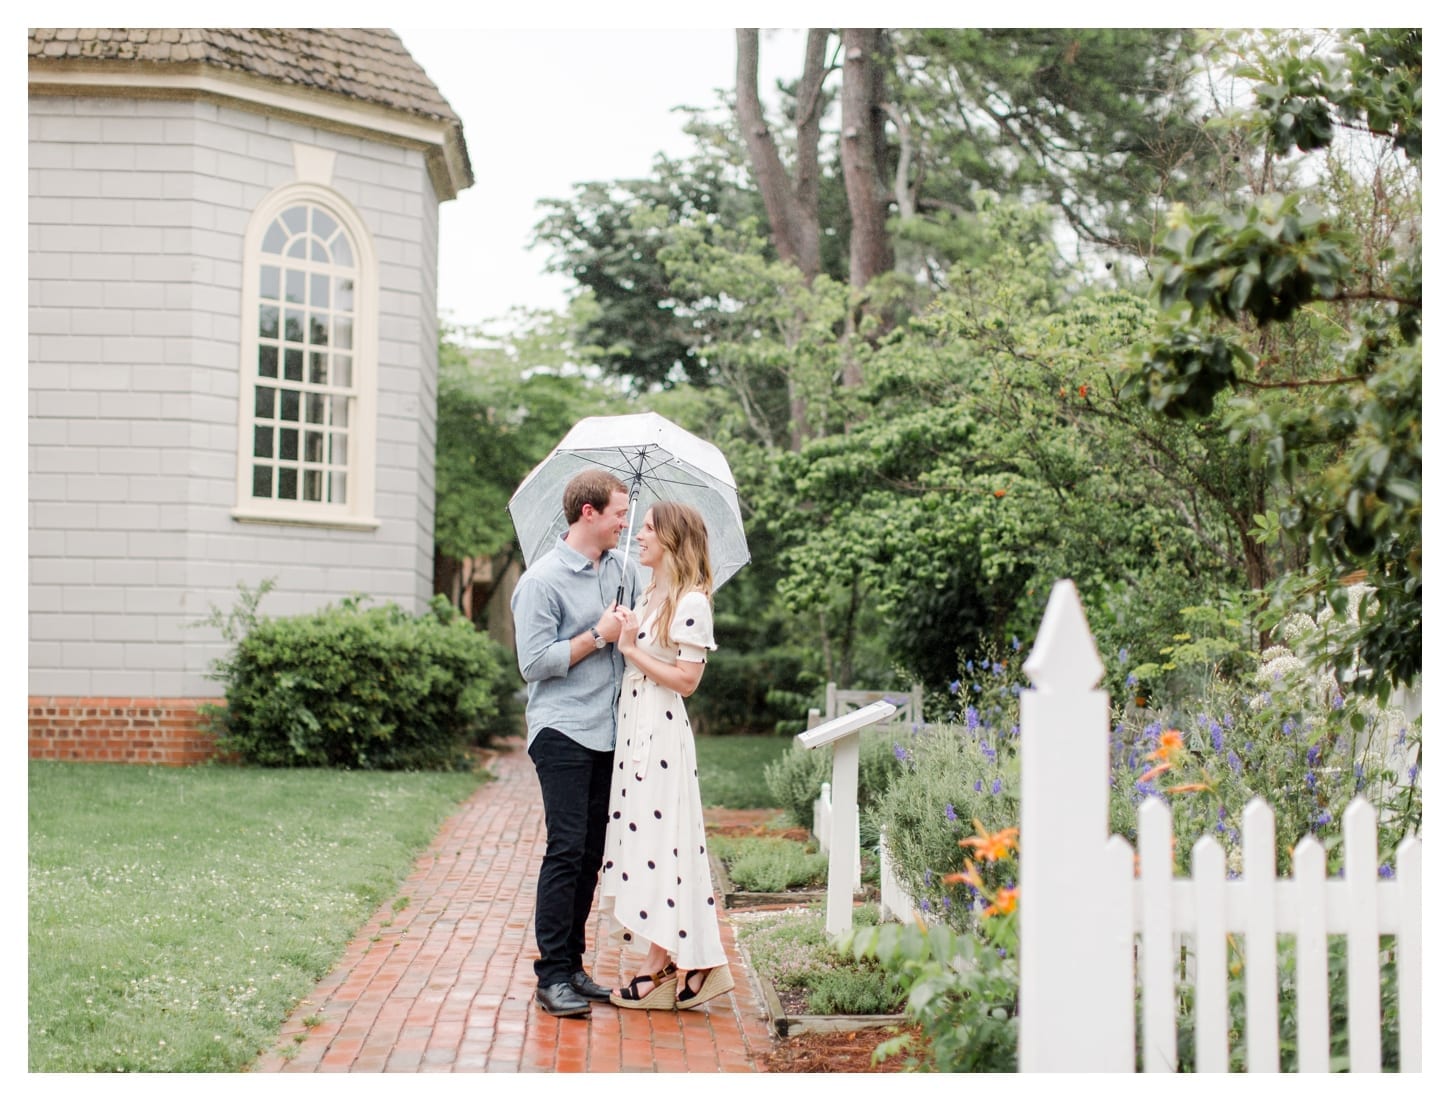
(609, 624)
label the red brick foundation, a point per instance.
(123, 731)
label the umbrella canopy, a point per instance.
(657, 460)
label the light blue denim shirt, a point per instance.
(560, 596)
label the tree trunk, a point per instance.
(791, 204)
(863, 160)
(863, 153)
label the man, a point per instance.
(564, 627)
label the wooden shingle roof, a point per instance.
(370, 65)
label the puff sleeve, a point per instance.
(693, 628)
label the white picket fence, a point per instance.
(1099, 940)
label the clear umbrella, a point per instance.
(657, 460)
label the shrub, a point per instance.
(794, 780)
(346, 687)
(792, 951)
(770, 863)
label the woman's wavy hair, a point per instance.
(684, 564)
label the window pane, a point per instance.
(292, 359)
(266, 407)
(262, 442)
(312, 485)
(291, 404)
(338, 486)
(271, 280)
(261, 481)
(267, 323)
(344, 293)
(317, 374)
(323, 224)
(317, 328)
(294, 325)
(320, 287)
(276, 237)
(342, 251)
(319, 253)
(267, 360)
(316, 408)
(312, 447)
(289, 444)
(339, 449)
(342, 371)
(296, 218)
(287, 483)
(298, 249)
(296, 284)
(342, 333)
(339, 413)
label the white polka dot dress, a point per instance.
(656, 884)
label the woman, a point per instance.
(656, 886)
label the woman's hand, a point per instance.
(628, 630)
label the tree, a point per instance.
(498, 415)
(1233, 277)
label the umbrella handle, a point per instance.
(628, 528)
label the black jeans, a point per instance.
(575, 784)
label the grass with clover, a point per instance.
(178, 915)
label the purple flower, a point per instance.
(1016, 643)
(973, 718)
(1132, 679)
(1152, 730)
(954, 687)
(1386, 872)
(951, 813)
(1322, 819)
(1414, 772)
(1338, 702)
(1123, 654)
(946, 903)
(1288, 726)
(969, 667)
(987, 751)
(1358, 777)
(1215, 734)
(997, 786)
(1002, 953)
(977, 787)
(926, 877)
(925, 906)
(899, 751)
(1313, 755)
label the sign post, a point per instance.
(844, 734)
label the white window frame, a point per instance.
(357, 510)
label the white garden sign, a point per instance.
(1095, 933)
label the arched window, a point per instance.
(304, 455)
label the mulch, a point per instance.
(834, 1053)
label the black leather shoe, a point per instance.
(587, 988)
(562, 1000)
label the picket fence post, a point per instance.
(1076, 995)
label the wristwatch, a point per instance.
(599, 643)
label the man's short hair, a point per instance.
(589, 487)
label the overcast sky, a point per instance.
(545, 109)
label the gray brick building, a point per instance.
(232, 353)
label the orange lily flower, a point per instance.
(971, 877)
(1004, 903)
(990, 847)
(1178, 789)
(1158, 770)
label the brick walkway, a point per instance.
(446, 982)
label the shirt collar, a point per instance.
(574, 560)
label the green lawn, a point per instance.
(732, 768)
(178, 915)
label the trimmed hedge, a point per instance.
(346, 687)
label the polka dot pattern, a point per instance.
(650, 891)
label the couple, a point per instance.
(614, 753)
